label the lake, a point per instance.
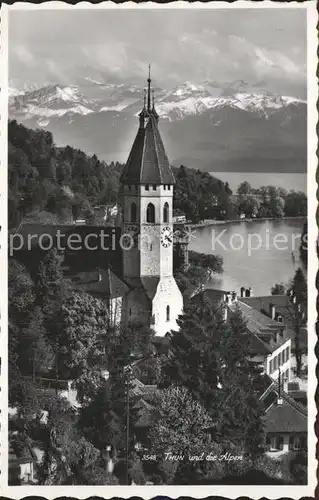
(256, 254)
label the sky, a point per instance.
(258, 46)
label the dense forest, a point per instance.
(61, 181)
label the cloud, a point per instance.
(196, 44)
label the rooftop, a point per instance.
(285, 417)
(101, 282)
(147, 162)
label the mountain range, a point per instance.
(213, 126)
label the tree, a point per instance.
(240, 380)
(49, 277)
(201, 267)
(21, 293)
(298, 315)
(37, 354)
(99, 423)
(182, 430)
(278, 289)
(83, 338)
(304, 245)
(296, 204)
(193, 361)
(244, 188)
(69, 458)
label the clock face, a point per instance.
(166, 237)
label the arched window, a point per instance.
(150, 213)
(167, 313)
(165, 212)
(133, 212)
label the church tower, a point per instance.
(146, 195)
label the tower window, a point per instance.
(167, 313)
(154, 187)
(147, 187)
(169, 187)
(164, 187)
(130, 312)
(150, 213)
(165, 212)
(133, 212)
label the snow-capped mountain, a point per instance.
(229, 122)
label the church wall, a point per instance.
(116, 307)
(137, 307)
(168, 294)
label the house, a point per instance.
(283, 308)
(285, 421)
(21, 465)
(270, 339)
(24, 456)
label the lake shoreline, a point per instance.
(231, 221)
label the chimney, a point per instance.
(272, 311)
(242, 291)
(234, 296)
(248, 292)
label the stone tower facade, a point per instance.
(146, 196)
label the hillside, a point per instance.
(211, 126)
(62, 181)
(56, 184)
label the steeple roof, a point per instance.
(147, 162)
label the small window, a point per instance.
(130, 187)
(150, 213)
(130, 312)
(151, 247)
(147, 187)
(279, 359)
(270, 366)
(169, 187)
(136, 187)
(166, 212)
(276, 443)
(164, 187)
(294, 443)
(167, 313)
(154, 187)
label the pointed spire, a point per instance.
(149, 89)
(153, 99)
(144, 107)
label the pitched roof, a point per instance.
(262, 328)
(285, 417)
(281, 302)
(102, 282)
(147, 162)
